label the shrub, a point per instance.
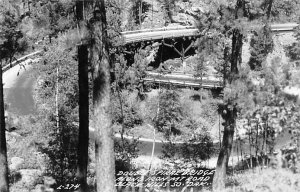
(61, 148)
(261, 45)
(125, 152)
(130, 117)
(170, 113)
(266, 180)
(198, 148)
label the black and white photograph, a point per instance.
(150, 96)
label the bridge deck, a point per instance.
(185, 80)
(155, 35)
(189, 31)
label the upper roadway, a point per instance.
(179, 32)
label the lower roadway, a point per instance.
(18, 92)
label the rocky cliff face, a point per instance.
(157, 13)
(281, 41)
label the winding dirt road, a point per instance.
(18, 90)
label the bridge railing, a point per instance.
(157, 30)
(185, 31)
(181, 79)
(156, 35)
(284, 27)
(21, 59)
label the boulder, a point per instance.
(91, 181)
(14, 134)
(42, 188)
(49, 190)
(10, 139)
(197, 9)
(18, 188)
(29, 177)
(178, 161)
(49, 181)
(39, 188)
(16, 163)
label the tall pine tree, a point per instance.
(83, 81)
(104, 144)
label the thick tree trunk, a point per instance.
(4, 184)
(140, 13)
(270, 3)
(83, 142)
(104, 145)
(168, 8)
(219, 178)
(229, 115)
(83, 81)
(237, 44)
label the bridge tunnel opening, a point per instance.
(171, 58)
(165, 56)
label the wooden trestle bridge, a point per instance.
(187, 36)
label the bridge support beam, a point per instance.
(181, 53)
